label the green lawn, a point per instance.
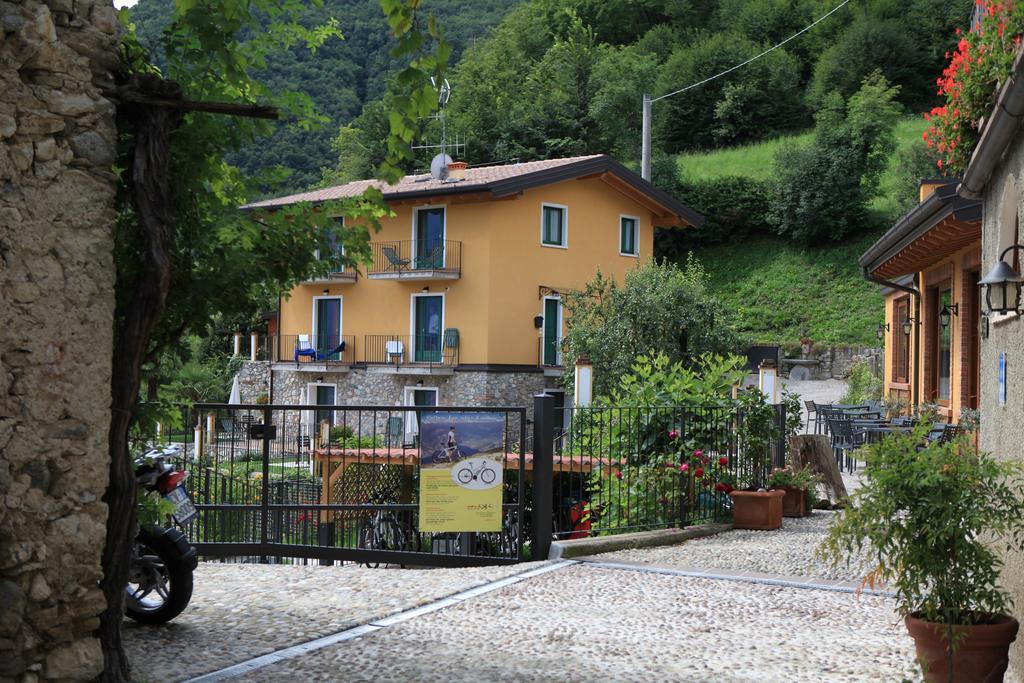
(778, 292)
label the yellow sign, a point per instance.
(461, 471)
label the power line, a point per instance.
(752, 59)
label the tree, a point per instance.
(185, 253)
(659, 308)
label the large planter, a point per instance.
(981, 654)
(794, 503)
(757, 509)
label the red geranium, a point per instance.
(723, 461)
(699, 472)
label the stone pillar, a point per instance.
(57, 147)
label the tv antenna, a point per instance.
(439, 164)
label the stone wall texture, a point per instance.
(1002, 426)
(57, 145)
(835, 362)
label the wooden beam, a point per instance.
(253, 111)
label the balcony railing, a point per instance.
(416, 260)
(308, 348)
(432, 350)
(549, 352)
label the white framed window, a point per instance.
(554, 225)
(629, 236)
(336, 252)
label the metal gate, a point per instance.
(337, 483)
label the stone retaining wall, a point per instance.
(57, 146)
(835, 362)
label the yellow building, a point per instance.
(462, 303)
(929, 265)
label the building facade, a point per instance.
(463, 302)
(928, 266)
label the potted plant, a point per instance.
(806, 345)
(930, 518)
(799, 486)
(754, 506)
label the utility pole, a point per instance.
(645, 151)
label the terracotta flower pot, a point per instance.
(757, 509)
(794, 504)
(982, 654)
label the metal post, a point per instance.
(645, 149)
(265, 496)
(543, 443)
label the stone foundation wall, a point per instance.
(835, 362)
(57, 146)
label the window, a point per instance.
(335, 252)
(900, 341)
(944, 348)
(629, 239)
(554, 230)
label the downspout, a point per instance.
(916, 293)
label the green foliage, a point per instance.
(734, 207)
(654, 381)
(821, 190)
(659, 308)
(863, 385)
(346, 437)
(781, 292)
(797, 478)
(934, 519)
(153, 509)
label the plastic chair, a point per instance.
(304, 348)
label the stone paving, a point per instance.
(239, 611)
(587, 623)
(789, 551)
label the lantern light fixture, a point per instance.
(947, 313)
(908, 325)
(1002, 285)
(881, 331)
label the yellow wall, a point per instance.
(504, 264)
(961, 264)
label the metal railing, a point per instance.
(416, 258)
(549, 352)
(432, 350)
(309, 348)
(333, 483)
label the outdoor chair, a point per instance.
(304, 348)
(395, 433)
(949, 433)
(845, 440)
(812, 414)
(397, 263)
(326, 355)
(432, 260)
(395, 351)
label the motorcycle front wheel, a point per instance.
(160, 580)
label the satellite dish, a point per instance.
(439, 167)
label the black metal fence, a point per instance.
(619, 469)
(432, 350)
(416, 259)
(331, 484)
(314, 348)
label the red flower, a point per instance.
(618, 474)
(698, 453)
(673, 435)
(699, 472)
(684, 468)
(723, 461)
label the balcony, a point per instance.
(315, 352)
(405, 354)
(341, 277)
(416, 260)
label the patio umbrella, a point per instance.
(236, 395)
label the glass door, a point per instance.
(426, 342)
(945, 350)
(324, 395)
(552, 331)
(327, 327)
(429, 246)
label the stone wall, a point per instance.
(1002, 429)
(57, 140)
(835, 362)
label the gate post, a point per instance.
(268, 419)
(543, 444)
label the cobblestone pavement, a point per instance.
(587, 623)
(239, 611)
(789, 551)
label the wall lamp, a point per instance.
(947, 313)
(1002, 285)
(538, 321)
(908, 325)
(882, 329)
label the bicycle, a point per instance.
(485, 473)
(383, 530)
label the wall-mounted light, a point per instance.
(326, 291)
(419, 383)
(908, 325)
(882, 329)
(947, 313)
(538, 321)
(1002, 285)
(425, 289)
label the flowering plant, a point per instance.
(981, 61)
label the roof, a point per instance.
(940, 225)
(506, 180)
(997, 133)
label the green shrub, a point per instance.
(864, 385)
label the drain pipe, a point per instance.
(916, 293)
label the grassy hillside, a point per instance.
(778, 292)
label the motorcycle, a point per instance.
(160, 577)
